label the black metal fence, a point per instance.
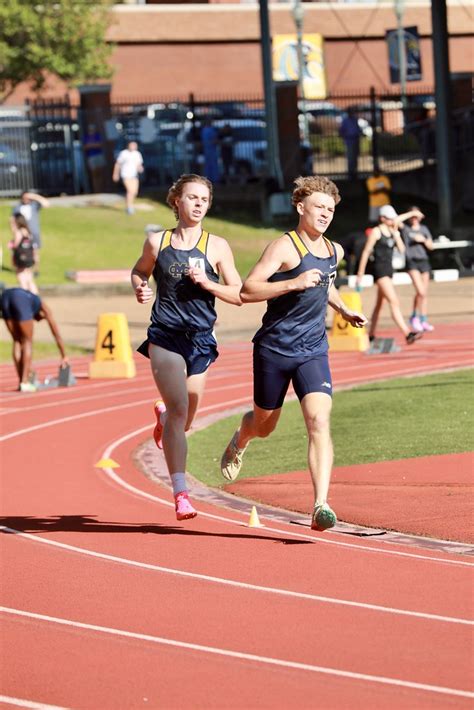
(43, 144)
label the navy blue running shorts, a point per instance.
(20, 305)
(198, 348)
(272, 374)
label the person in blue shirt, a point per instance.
(191, 268)
(296, 275)
(350, 132)
(210, 149)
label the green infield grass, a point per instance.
(41, 351)
(94, 237)
(396, 419)
(76, 238)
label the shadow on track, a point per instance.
(89, 524)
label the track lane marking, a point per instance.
(111, 473)
(22, 703)
(266, 660)
(243, 401)
(235, 583)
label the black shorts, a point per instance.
(421, 265)
(198, 348)
(381, 270)
(272, 374)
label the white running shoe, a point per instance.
(231, 461)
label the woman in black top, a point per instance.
(381, 242)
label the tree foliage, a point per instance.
(63, 37)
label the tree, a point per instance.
(62, 37)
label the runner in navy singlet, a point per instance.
(187, 264)
(295, 275)
(381, 241)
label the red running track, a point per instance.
(109, 603)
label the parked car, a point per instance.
(249, 145)
(15, 168)
(325, 118)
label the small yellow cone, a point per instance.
(107, 463)
(254, 522)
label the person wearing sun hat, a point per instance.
(381, 242)
(418, 241)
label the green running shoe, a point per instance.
(323, 517)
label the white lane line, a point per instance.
(102, 395)
(21, 703)
(234, 583)
(95, 412)
(111, 473)
(267, 660)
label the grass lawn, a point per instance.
(106, 238)
(41, 351)
(397, 419)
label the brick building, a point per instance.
(170, 50)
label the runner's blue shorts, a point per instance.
(197, 348)
(20, 305)
(272, 374)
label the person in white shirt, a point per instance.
(128, 166)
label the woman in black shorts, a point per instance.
(418, 241)
(381, 242)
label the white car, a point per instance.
(249, 145)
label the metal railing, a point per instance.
(42, 143)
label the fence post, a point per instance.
(375, 138)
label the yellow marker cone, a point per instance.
(113, 352)
(254, 522)
(107, 463)
(344, 336)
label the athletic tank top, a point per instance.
(180, 304)
(383, 250)
(295, 323)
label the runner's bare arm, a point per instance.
(46, 313)
(143, 269)
(368, 249)
(278, 255)
(358, 320)
(221, 257)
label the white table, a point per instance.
(456, 247)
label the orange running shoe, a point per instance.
(159, 408)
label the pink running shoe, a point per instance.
(183, 507)
(159, 408)
(416, 324)
(427, 326)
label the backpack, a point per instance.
(23, 254)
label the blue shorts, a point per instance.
(198, 348)
(272, 374)
(20, 305)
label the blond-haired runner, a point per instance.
(295, 275)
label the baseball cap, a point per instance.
(388, 212)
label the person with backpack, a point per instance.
(23, 253)
(29, 207)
